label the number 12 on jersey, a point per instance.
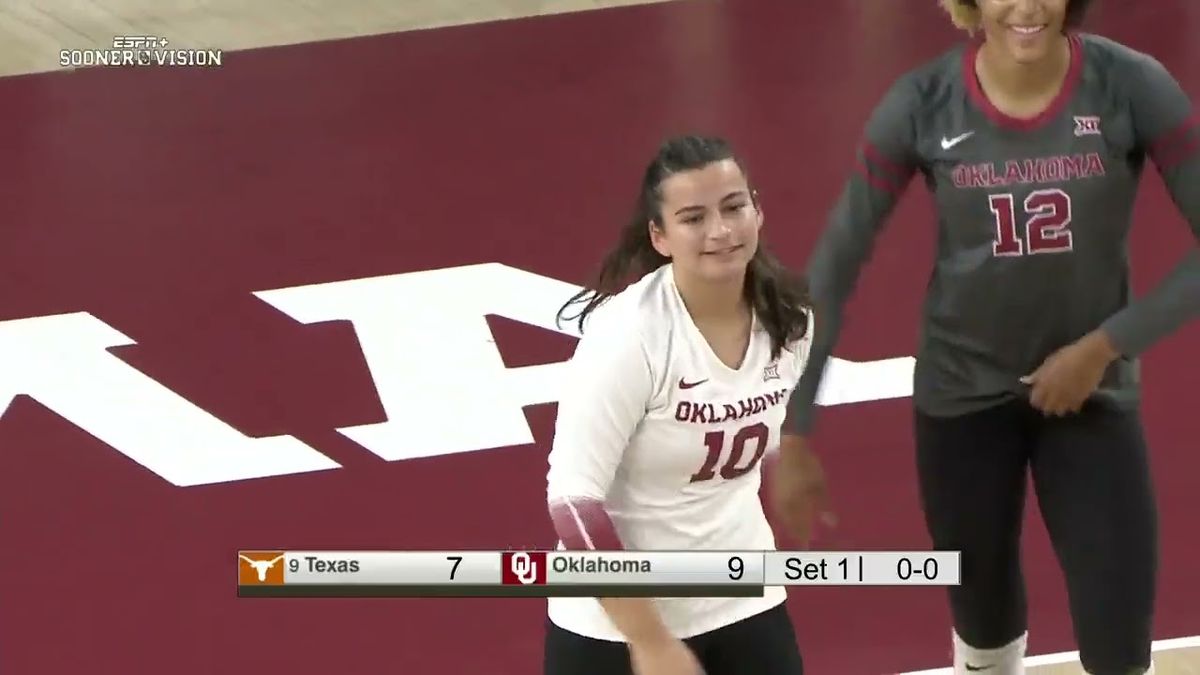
(1047, 228)
(735, 463)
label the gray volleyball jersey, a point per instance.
(1033, 218)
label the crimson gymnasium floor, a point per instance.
(148, 211)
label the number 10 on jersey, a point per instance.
(730, 454)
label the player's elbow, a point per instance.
(583, 523)
(569, 477)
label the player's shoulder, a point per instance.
(928, 85)
(1106, 55)
(1119, 73)
(943, 70)
(640, 313)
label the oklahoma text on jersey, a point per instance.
(1029, 171)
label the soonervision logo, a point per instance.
(140, 50)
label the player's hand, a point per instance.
(663, 657)
(800, 496)
(1070, 375)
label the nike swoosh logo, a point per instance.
(689, 385)
(948, 143)
(974, 668)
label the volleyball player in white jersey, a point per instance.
(678, 390)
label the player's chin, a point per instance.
(1029, 47)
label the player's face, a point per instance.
(710, 223)
(1027, 30)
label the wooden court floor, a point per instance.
(1180, 656)
(33, 33)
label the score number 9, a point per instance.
(736, 568)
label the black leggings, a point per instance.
(764, 644)
(1092, 480)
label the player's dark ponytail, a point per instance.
(779, 297)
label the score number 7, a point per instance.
(1047, 228)
(457, 560)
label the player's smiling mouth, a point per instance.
(1027, 29)
(723, 251)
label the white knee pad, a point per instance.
(1006, 660)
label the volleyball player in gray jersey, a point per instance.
(1032, 140)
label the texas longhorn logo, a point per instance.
(258, 568)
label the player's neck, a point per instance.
(1010, 83)
(708, 302)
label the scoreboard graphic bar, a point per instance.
(277, 573)
(483, 591)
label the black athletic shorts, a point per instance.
(1092, 480)
(764, 644)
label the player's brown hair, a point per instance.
(780, 298)
(965, 13)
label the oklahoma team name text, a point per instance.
(600, 566)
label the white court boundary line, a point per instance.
(1072, 657)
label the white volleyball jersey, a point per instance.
(671, 439)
